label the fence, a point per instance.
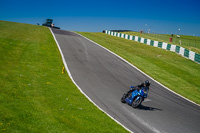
(180, 50)
(182, 40)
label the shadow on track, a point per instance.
(142, 107)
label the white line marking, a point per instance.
(142, 121)
(147, 100)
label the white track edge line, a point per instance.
(65, 64)
(140, 71)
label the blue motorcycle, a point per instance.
(135, 97)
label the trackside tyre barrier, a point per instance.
(170, 47)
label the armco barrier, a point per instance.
(170, 47)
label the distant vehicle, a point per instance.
(49, 23)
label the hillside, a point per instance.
(34, 94)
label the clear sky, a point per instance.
(160, 16)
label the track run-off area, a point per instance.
(104, 77)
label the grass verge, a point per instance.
(34, 95)
(172, 70)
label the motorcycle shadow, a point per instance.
(142, 107)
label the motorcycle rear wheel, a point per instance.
(136, 102)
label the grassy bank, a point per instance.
(34, 95)
(174, 71)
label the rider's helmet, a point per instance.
(147, 83)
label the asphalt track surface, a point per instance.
(104, 78)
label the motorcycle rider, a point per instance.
(146, 84)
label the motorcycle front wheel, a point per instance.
(123, 98)
(136, 102)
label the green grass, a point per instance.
(172, 70)
(34, 95)
(189, 42)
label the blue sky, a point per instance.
(160, 16)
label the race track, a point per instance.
(104, 78)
